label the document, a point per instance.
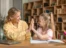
(38, 41)
(55, 41)
(46, 41)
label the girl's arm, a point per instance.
(40, 36)
(52, 24)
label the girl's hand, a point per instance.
(53, 25)
(51, 16)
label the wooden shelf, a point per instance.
(25, 6)
(60, 2)
(34, 12)
(30, 5)
(53, 2)
(59, 22)
(64, 25)
(62, 14)
(39, 11)
(59, 26)
(38, 4)
(45, 1)
(58, 7)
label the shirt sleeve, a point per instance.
(10, 33)
(50, 34)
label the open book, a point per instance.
(46, 41)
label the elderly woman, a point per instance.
(14, 28)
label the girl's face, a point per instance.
(16, 17)
(41, 22)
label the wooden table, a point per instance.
(26, 44)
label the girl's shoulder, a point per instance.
(49, 30)
(39, 30)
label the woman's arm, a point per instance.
(28, 33)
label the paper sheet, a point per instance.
(45, 41)
(55, 41)
(38, 41)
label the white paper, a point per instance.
(38, 41)
(45, 41)
(55, 41)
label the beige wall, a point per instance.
(26, 1)
(5, 5)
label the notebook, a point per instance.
(45, 41)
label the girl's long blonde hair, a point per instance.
(46, 17)
(11, 12)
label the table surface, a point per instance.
(27, 44)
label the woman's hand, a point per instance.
(31, 24)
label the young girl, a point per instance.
(44, 32)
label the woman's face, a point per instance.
(16, 17)
(41, 22)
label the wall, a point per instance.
(4, 7)
(26, 1)
(0, 9)
(18, 4)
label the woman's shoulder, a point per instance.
(22, 21)
(8, 23)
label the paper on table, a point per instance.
(38, 41)
(46, 41)
(55, 41)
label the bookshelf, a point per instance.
(58, 7)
